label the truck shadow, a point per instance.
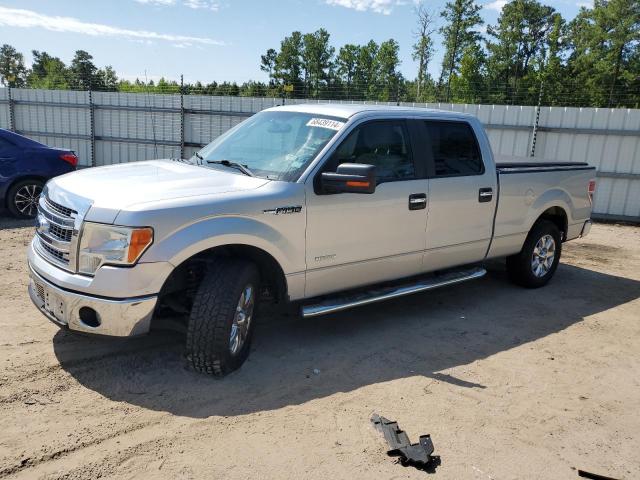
(423, 334)
(6, 221)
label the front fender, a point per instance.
(287, 248)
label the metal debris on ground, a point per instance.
(418, 455)
(593, 476)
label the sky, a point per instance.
(211, 40)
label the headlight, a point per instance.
(111, 245)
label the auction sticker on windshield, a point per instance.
(325, 123)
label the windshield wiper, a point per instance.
(229, 163)
(199, 157)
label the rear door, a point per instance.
(462, 195)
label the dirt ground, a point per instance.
(510, 383)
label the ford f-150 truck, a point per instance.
(324, 206)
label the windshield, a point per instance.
(273, 145)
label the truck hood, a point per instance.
(116, 187)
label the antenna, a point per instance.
(153, 117)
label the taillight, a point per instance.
(70, 158)
(592, 189)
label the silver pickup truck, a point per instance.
(324, 206)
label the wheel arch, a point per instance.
(271, 272)
(16, 180)
(558, 216)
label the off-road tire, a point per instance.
(12, 206)
(212, 314)
(519, 266)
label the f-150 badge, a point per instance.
(284, 210)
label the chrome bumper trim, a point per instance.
(118, 318)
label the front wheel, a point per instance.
(221, 320)
(536, 263)
(22, 198)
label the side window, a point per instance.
(383, 144)
(454, 148)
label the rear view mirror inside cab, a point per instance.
(279, 127)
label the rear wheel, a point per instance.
(536, 263)
(22, 198)
(221, 320)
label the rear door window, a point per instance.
(454, 149)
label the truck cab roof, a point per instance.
(348, 110)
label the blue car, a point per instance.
(25, 166)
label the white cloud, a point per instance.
(195, 4)
(379, 6)
(202, 4)
(164, 3)
(496, 5)
(15, 17)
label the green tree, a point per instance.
(605, 42)
(106, 79)
(83, 71)
(459, 32)
(469, 85)
(13, 73)
(54, 75)
(423, 48)
(366, 72)
(40, 59)
(388, 63)
(521, 39)
(347, 65)
(553, 76)
(253, 89)
(288, 65)
(48, 72)
(164, 86)
(268, 62)
(317, 59)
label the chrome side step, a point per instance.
(344, 302)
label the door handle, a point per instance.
(485, 194)
(417, 201)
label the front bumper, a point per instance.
(90, 314)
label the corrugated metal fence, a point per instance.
(105, 128)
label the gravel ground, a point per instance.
(510, 383)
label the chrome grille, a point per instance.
(60, 209)
(61, 233)
(54, 252)
(55, 233)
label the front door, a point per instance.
(357, 239)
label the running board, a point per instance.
(345, 301)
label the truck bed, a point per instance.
(523, 167)
(528, 188)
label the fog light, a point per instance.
(89, 317)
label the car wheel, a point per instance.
(22, 198)
(220, 325)
(538, 260)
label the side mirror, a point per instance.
(350, 178)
